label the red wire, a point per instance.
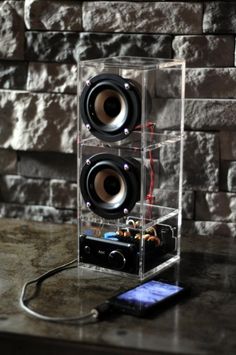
(150, 197)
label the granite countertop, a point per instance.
(202, 324)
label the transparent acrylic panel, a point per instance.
(130, 146)
(157, 83)
(160, 248)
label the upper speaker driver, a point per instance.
(110, 107)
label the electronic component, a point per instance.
(119, 250)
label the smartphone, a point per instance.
(143, 299)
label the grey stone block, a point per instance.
(53, 15)
(200, 114)
(205, 51)
(228, 144)
(51, 46)
(13, 75)
(219, 206)
(188, 203)
(47, 165)
(8, 162)
(221, 229)
(235, 55)
(63, 194)
(200, 83)
(219, 17)
(166, 114)
(228, 176)
(37, 213)
(169, 198)
(211, 83)
(20, 190)
(52, 77)
(11, 30)
(12, 211)
(201, 162)
(167, 84)
(41, 122)
(169, 166)
(69, 47)
(100, 45)
(142, 17)
(210, 114)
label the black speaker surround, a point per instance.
(110, 107)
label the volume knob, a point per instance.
(117, 259)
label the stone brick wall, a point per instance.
(39, 43)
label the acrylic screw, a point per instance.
(88, 82)
(88, 127)
(126, 131)
(88, 162)
(127, 86)
(125, 211)
(126, 167)
(88, 204)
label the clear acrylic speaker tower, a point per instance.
(130, 158)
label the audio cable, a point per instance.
(95, 313)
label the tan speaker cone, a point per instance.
(102, 115)
(103, 194)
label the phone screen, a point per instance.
(150, 293)
(146, 296)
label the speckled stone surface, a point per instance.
(202, 324)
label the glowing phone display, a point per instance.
(146, 296)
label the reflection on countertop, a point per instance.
(202, 324)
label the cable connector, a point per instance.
(102, 310)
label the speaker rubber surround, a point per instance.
(123, 89)
(130, 190)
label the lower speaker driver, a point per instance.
(110, 186)
(110, 190)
